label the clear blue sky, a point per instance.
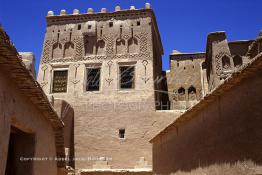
(183, 24)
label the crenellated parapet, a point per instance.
(101, 36)
(91, 10)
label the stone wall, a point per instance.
(222, 138)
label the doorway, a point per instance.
(21, 145)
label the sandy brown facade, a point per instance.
(186, 79)
(100, 94)
(29, 126)
(112, 121)
(222, 133)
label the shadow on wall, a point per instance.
(21, 144)
(66, 114)
(224, 138)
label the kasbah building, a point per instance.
(101, 104)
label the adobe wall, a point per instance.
(185, 72)
(224, 138)
(129, 37)
(117, 173)
(66, 114)
(17, 111)
(97, 135)
(223, 57)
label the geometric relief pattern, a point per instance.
(218, 62)
(143, 41)
(79, 44)
(141, 46)
(47, 50)
(110, 44)
(133, 45)
(139, 56)
(145, 78)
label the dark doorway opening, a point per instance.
(21, 146)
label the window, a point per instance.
(122, 133)
(79, 27)
(138, 23)
(192, 93)
(226, 62)
(237, 61)
(89, 26)
(60, 81)
(127, 77)
(181, 91)
(110, 24)
(93, 79)
(181, 94)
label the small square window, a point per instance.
(122, 133)
(93, 79)
(110, 24)
(89, 26)
(127, 77)
(60, 81)
(138, 23)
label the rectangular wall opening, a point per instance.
(60, 78)
(127, 77)
(21, 145)
(122, 133)
(93, 79)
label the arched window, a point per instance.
(100, 47)
(181, 94)
(192, 93)
(69, 49)
(237, 61)
(57, 50)
(133, 46)
(120, 46)
(226, 62)
(90, 43)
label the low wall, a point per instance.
(223, 138)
